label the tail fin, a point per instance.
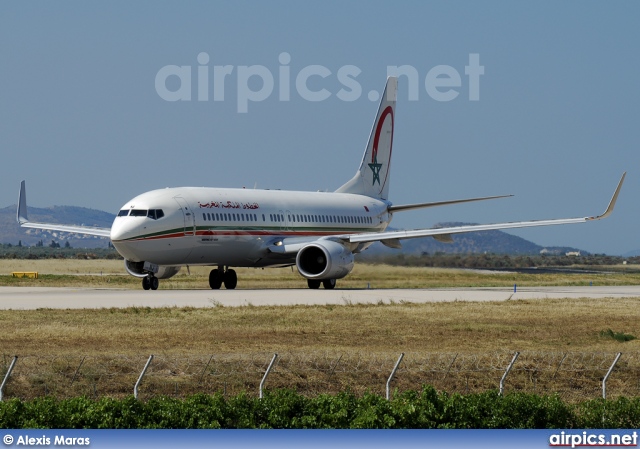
(372, 178)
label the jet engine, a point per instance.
(143, 269)
(324, 259)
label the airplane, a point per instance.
(160, 231)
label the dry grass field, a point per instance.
(541, 325)
(183, 339)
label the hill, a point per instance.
(496, 242)
(11, 232)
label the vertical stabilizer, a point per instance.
(372, 178)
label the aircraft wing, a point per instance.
(25, 223)
(443, 234)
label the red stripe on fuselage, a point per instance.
(257, 233)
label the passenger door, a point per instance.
(189, 217)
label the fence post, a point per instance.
(393, 373)
(450, 365)
(205, 370)
(77, 370)
(144, 370)
(559, 365)
(264, 378)
(604, 381)
(335, 366)
(504, 376)
(6, 376)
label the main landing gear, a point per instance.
(150, 282)
(328, 284)
(219, 276)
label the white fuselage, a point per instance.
(234, 227)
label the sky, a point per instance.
(97, 105)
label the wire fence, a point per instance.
(574, 376)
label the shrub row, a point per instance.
(281, 409)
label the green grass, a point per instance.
(617, 336)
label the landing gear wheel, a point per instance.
(313, 284)
(215, 279)
(155, 283)
(329, 284)
(230, 279)
(146, 283)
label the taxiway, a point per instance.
(30, 298)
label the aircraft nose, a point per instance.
(120, 233)
(123, 229)
(117, 231)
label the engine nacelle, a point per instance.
(324, 259)
(142, 269)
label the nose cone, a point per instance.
(123, 233)
(121, 230)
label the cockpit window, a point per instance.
(155, 213)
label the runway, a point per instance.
(31, 298)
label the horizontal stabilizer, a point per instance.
(403, 207)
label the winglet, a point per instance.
(21, 216)
(612, 203)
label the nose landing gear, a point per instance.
(150, 282)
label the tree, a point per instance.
(67, 244)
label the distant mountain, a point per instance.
(11, 232)
(473, 242)
(497, 242)
(634, 253)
